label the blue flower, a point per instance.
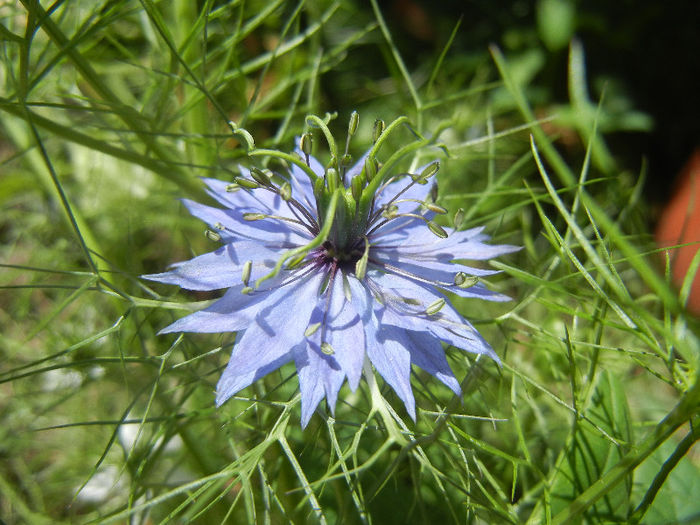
(334, 269)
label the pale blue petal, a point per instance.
(231, 383)
(344, 330)
(427, 353)
(405, 303)
(393, 362)
(236, 227)
(271, 336)
(233, 312)
(319, 376)
(221, 268)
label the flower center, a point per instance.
(343, 258)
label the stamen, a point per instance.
(394, 269)
(437, 230)
(434, 208)
(261, 177)
(245, 275)
(389, 211)
(370, 168)
(305, 145)
(246, 183)
(212, 235)
(435, 306)
(312, 329)
(251, 216)
(378, 130)
(333, 180)
(462, 280)
(430, 170)
(285, 191)
(458, 219)
(356, 186)
(361, 264)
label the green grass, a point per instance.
(109, 112)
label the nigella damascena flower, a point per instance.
(334, 269)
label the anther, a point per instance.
(254, 216)
(430, 170)
(260, 177)
(390, 212)
(435, 307)
(333, 180)
(286, 191)
(312, 329)
(378, 130)
(247, 183)
(231, 188)
(370, 168)
(245, 274)
(437, 230)
(246, 290)
(327, 349)
(305, 145)
(212, 235)
(462, 280)
(459, 218)
(356, 187)
(354, 121)
(361, 264)
(219, 226)
(434, 208)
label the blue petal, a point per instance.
(392, 360)
(405, 303)
(319, 375)
(260, 199)
(344, 330)
(221, 268)
(235, 226)
(231, 383)
(427, 353)
(276, 329)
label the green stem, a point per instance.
(333, 148)
(293, 159)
